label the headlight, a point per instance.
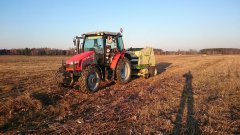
(75, 62)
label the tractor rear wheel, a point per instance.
(123, 71)
(90, 79)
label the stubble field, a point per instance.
(190, 95)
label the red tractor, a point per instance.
(100, 57)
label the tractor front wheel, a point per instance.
(123, 71)
(62, 77)
(90, 79)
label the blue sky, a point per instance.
(165, 24)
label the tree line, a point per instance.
(209, 51)
(213, 51)
(179, 52)
(37, 51)
(71, 51)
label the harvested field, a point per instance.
(190, 95)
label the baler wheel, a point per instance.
(152, 71)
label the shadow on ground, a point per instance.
(191, 127)
(162, 66)
(235, 117)
(48, 98)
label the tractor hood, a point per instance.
(78, 57)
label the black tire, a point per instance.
(146, 76)
(86, 84)
(62, 77)
(120, 77)
(152, 71)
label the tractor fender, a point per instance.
(86, 62)
(89, 61)
(116, 58)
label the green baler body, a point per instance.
(142, 59)
(145, 57)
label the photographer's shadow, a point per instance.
(191, 127)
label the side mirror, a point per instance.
(78, 41)
(74, 41)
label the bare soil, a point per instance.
(190, 95)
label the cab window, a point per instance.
(111, 41)
(94, 43)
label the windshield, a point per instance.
(94, 43)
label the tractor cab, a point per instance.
(103, 44)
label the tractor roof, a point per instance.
(102, 33)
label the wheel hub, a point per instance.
(125, 71)
(93, 81)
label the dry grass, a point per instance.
(191, 95)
